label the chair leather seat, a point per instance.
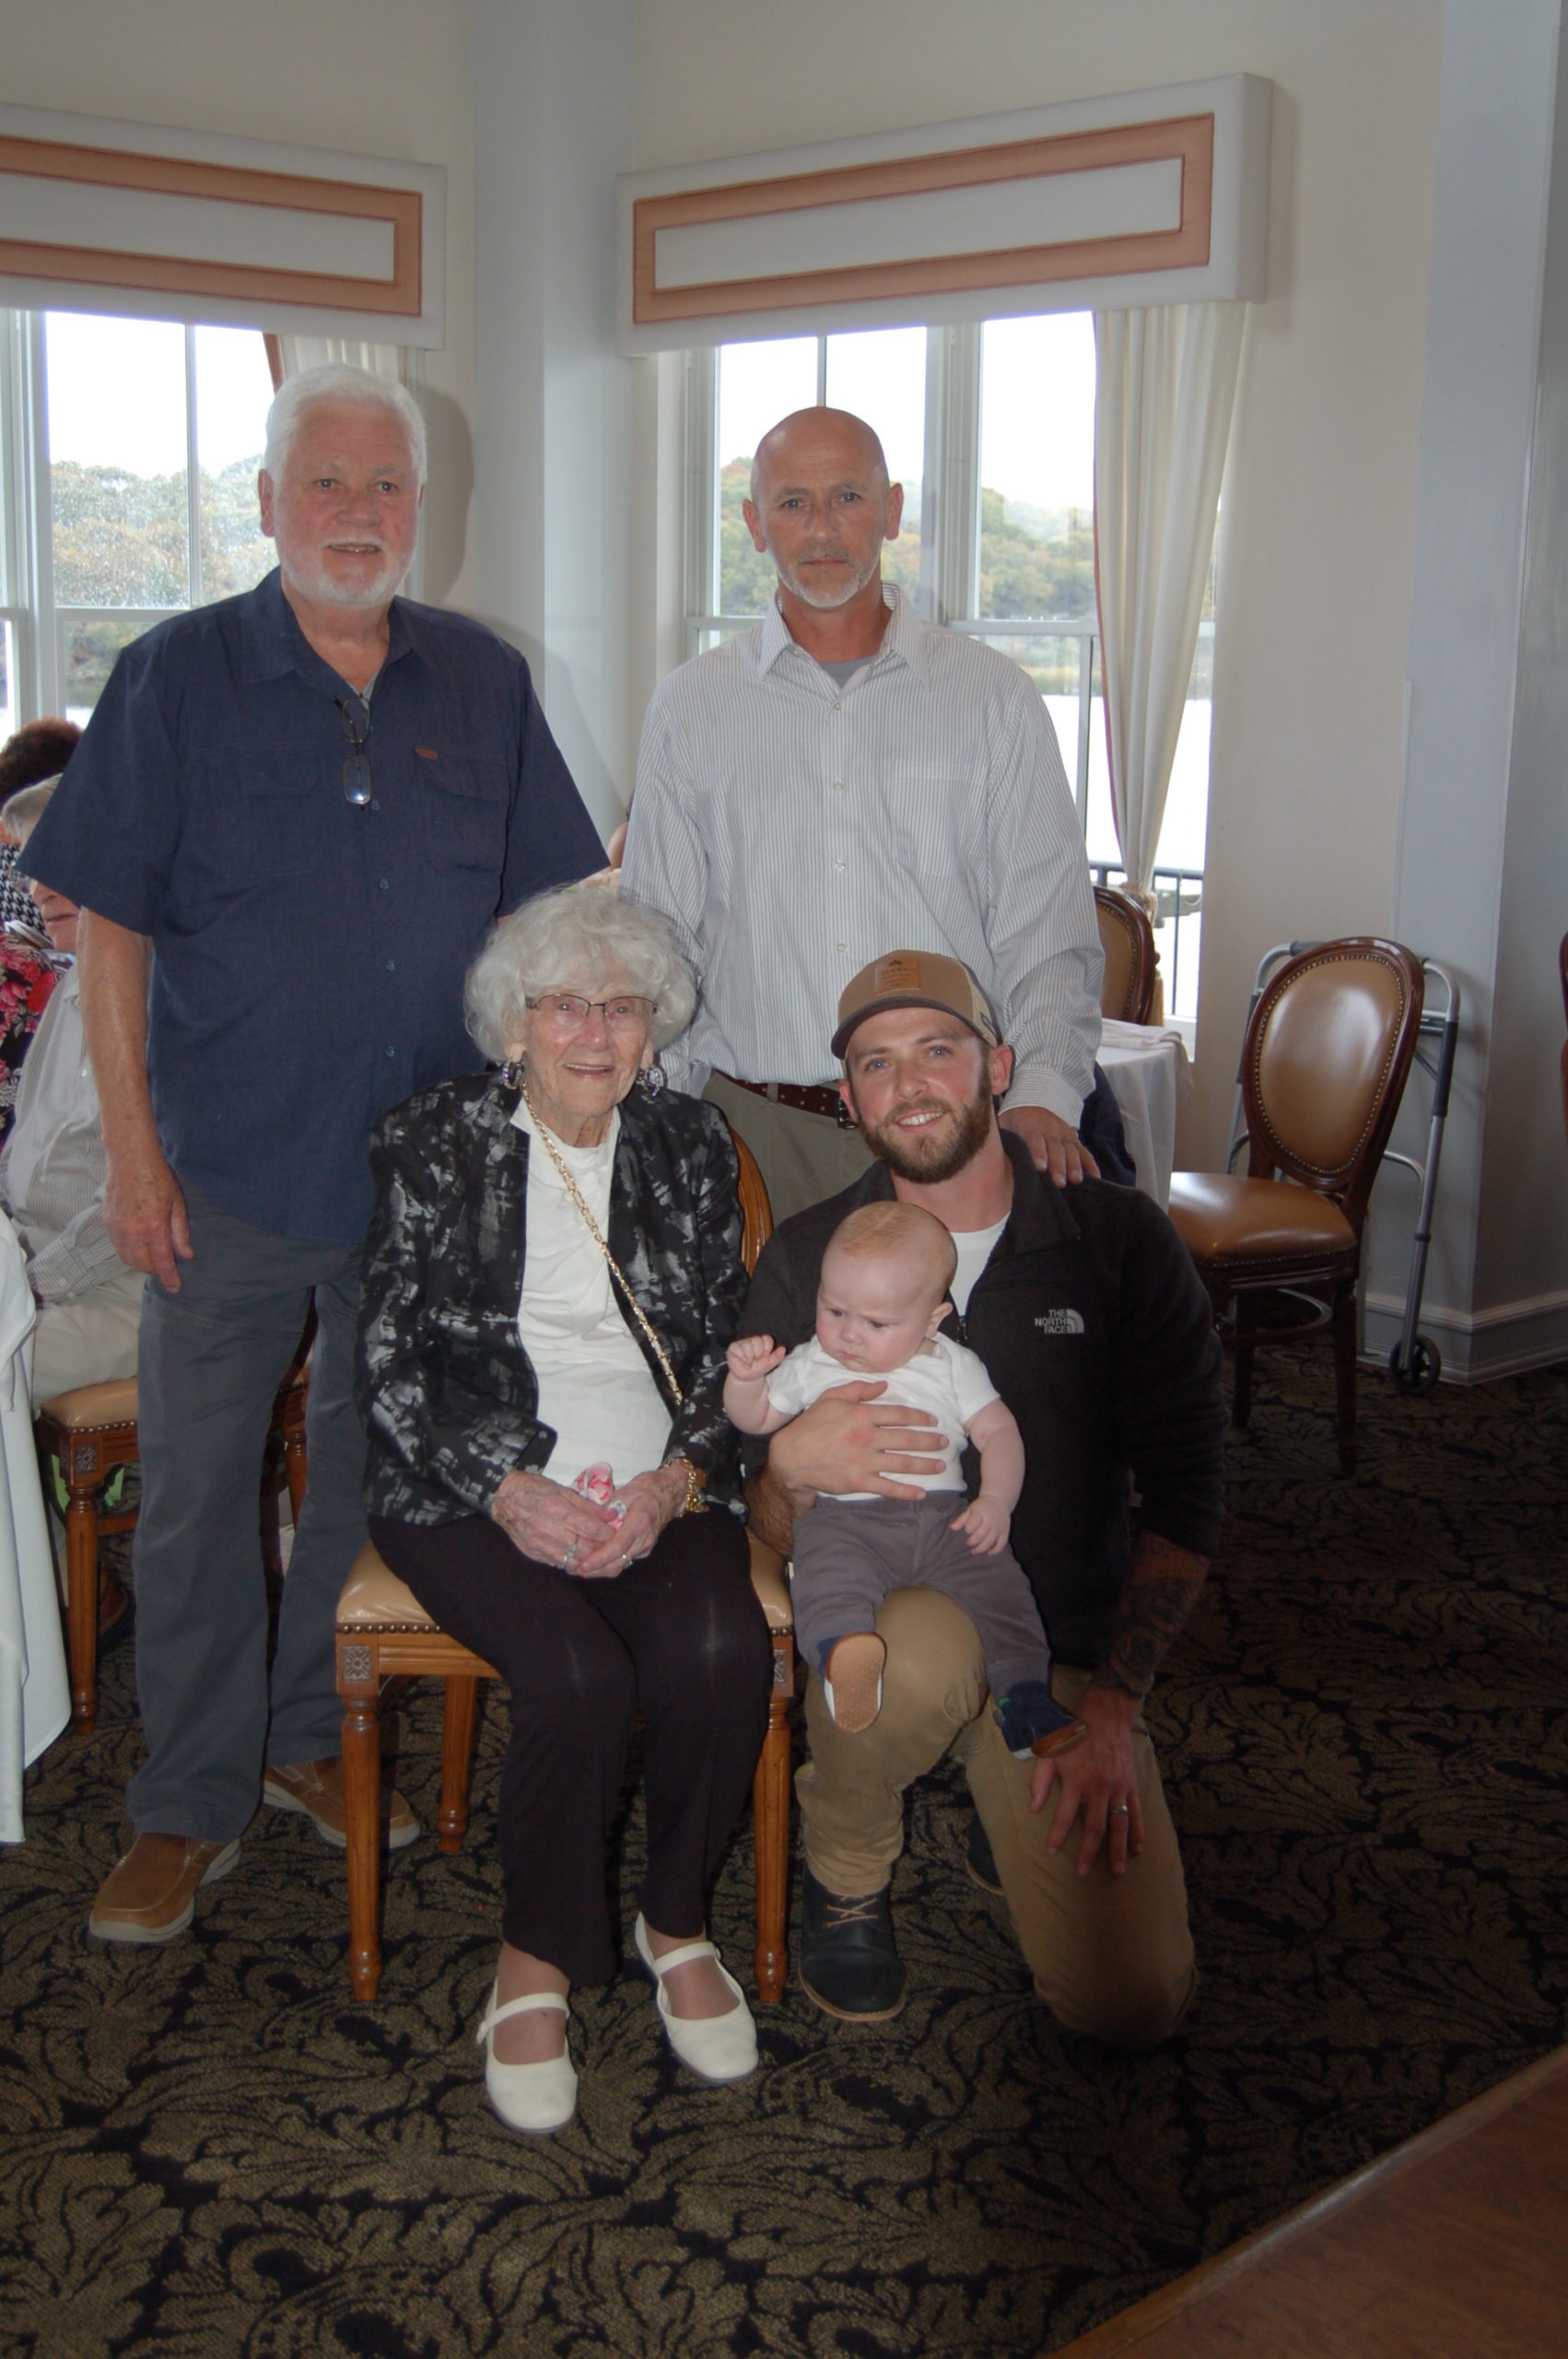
(93, 1405)
(374, 1599)
(1222, 1217)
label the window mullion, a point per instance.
(953, 454)
(1085, 723)
(700, 588)
(822, 372)
(38, 518)
(192, 477)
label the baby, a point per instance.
(882, 1298)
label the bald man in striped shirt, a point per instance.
(843, 775)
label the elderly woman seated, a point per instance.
(552, 1277)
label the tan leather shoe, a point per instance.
(316, 1788)
(151, 1896)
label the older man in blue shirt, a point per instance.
(288, 824)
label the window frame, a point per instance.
(37, 622)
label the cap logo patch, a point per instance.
(899, 971)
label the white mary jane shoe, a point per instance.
(534, 2097)
(717, 2047)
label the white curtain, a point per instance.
(1164, 391)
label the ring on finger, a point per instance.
(1119, 1810)
(571, 1555)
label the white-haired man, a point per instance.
(841, 775)
(291, 819)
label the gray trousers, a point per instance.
(851, 1553)
(211, 1359)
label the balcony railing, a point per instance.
(1179, 903)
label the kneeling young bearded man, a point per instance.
(1092, 1322)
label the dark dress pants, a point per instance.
(680, 1636)
(211, 1359)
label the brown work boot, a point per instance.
(316, 1788)
(151, 1896)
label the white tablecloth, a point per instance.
(35, 1691)
(1146, 1066)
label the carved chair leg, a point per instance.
(456, 1760)
(81, 1605)
(359, 1687)
(1345, 1376)
(770, 1826)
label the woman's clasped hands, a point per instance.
(556, 1525)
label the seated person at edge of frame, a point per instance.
(1087, 1313)
(879, 1307)
(52, 1171)
(552, 1277)
(38, 750)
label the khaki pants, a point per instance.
(90, 1341)
(802, 1157)
(1111, 1956)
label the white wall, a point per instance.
(1482, 873)
(552, 115)
(378, 78)
(1319, 511)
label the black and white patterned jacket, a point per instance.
(447, 1392)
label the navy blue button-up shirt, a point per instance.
(308, 952)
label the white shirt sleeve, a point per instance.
(972, 1387)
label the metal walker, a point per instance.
(1415, 1362)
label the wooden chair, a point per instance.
(385, 1637)
(1127, 987)
(1324, 1064)
(91, 1430)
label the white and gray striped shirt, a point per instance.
(794, 830)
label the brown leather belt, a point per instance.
(805, 1098)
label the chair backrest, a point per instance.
(1324, 1065)
(756, 1212)
(1127, 987)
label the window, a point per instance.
(991, 428)
(128, 491)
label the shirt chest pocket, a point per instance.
(464, 810)
(925, 810)
(282, 815)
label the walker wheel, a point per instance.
(1419, 1375)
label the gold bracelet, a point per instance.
(694, 1503)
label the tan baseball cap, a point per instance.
(915, 979)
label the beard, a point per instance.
(306, 569)
(928, 1157)
(802, 583)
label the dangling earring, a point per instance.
(654, 1078)
(514, 1071)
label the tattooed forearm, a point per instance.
(1159, 1595)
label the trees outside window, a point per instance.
(130, 449)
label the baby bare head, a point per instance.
(883, 1288)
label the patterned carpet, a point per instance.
(212, 2150)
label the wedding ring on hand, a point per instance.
(1119, 1810)
(569, 1559)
